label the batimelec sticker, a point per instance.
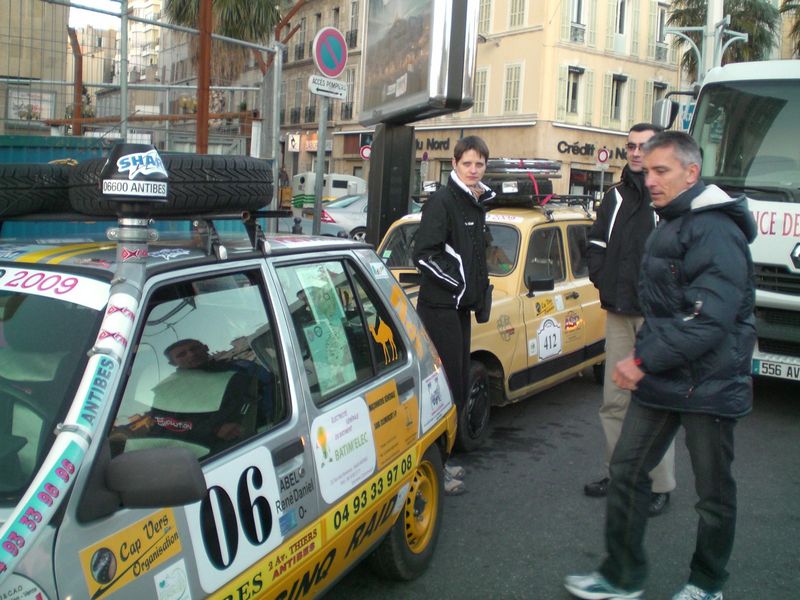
(344, 448)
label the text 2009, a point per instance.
(42, 282)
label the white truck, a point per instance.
(747, 122)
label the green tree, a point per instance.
(248, 20)
(793, 7)
(757, 18)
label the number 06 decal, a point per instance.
(236, 523)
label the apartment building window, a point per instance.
(335, 17)
(516, 15)
(352, 33)
(485, 16)
(574, 75)
(300, 48)
(511, 88)
(346, 113)
(479, 105)
(619, 22)
(659, 91)
(661, 37)
(577, 28)
(617, 96)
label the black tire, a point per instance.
(406, 551)
(197, 184)
(599, 372)
(33, 188)
(473, 420)
(359, 234)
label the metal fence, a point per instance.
(119, 71)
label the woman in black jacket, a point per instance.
(450, 253)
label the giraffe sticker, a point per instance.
(384, 336)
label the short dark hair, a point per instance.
(647, 127)
(471, 142)
(179, 343)
(686, 148)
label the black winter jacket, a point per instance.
(697, 293)
(616, 243)
(450, 248)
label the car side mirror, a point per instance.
(156, 477)
(539, 284)
(664, 112)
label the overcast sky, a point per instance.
(80, 18)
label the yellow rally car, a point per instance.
(546, 323)
(190, 410)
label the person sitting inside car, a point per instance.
(206, 401)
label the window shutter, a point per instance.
(635, 28)
(651, 39)
(631, 102)
(612, 13)
(606, 108)
(588, 91)
(561, 103)
(591, 24)
(566, 10)
(647, 105)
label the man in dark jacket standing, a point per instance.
(690, 367)
(616, 244)
(450, 253)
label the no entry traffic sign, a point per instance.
(330, 51)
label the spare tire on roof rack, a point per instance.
(29, 188)
(198, 183)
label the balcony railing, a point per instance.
(352, 38)
(577, 33)
(346, 113)
(310, 114)
(294, 116)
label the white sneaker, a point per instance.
(456, 471)
(453, 486)
(692, 592)
(596, 587)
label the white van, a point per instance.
(335, 185)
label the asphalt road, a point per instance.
(525, 522)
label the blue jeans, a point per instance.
(646, 435)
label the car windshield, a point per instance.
(43, 347)
(748, 134)
(397, 249)
(344, 201)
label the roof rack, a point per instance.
(543, 201)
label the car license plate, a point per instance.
(773, 369)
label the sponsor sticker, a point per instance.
(71, 288)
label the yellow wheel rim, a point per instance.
(421, 508)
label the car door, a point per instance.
(209, 372)
(594, 318)
(552, 318)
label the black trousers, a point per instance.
(450, 330)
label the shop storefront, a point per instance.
(576, 148)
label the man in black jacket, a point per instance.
(450, 253)
(616, 244)
(690, 367)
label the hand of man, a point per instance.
(627, 373)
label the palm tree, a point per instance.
(249, 20)
(758, 18)
(793, 6)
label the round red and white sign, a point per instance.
(603, 154)
(365, 152)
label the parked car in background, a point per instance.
(349, 213)
(546, 323)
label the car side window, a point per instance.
(502, 246)
(206, 372)
(344, 333)
(399, 248)
(577, 238)
(545, 255)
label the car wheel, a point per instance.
(473, 419)
(359, 234)
(197, 183)
(31, 188)
(408, 547)
(599, 372)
